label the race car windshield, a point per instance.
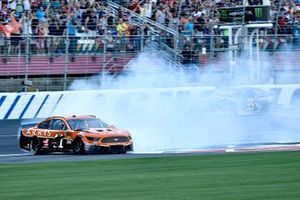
(83, 124)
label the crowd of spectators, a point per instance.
(197, 16)
(51, 22)
(195, 19)
(85, 24)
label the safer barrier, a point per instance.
(43, 104)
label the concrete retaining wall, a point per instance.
(44, 104)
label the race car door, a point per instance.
(58, 130)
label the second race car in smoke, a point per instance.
(236, 101)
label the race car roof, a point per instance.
(73, 117)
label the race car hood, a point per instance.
(105, 132)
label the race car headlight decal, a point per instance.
(95, 139)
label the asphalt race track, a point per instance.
(10, 152)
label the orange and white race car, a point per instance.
(82, 134)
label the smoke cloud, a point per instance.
(144, 101)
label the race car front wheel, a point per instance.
(78, 147)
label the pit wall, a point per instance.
(43, 104)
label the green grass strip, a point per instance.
(254, 176)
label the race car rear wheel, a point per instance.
(78, 147)
(36, 146)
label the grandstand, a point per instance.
(54, 42)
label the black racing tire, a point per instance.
(79, 147)
(21, 140)
(36, 146)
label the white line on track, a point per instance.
(15, 155)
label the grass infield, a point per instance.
(254, 176)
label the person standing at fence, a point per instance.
(110, 42)
(91, 26)
(71, 33)
(42, 35)
(60, 39)
(160, 16)
(53, 36)
(102, 24)
(26, 20)
(12, 32)
(122, 29)
(91, 23)
(110, 21)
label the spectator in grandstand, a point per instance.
(99, 9)
(4, 15)
(154, 8)
(122, 27)
(110, 20)
(135, 37)
(188, 53)
(26, 21)
(173, 21)
(11, 28)
(53, 36)
(71, 34)
(42, 32)
(160, 15)
(91, 23)
(121, 13)
(40, 14)
(15, 35)
(189, 27)
(35, 5)
(135, 6)
(296, 33)
(34, 23)
(102, 25)
(62, 21)
(56, 6)
(26, 5)
(19, 8)
(147, 9)
(12, 4)
(297, 8)
(200, 24)
(110, 42)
